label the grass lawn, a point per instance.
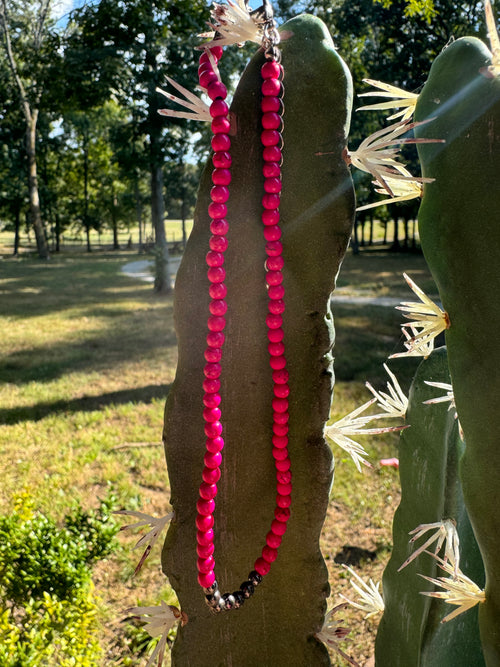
(87, 355)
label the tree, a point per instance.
(30, 48)
(151, 40)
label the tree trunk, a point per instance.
(17, 229)
(35, 214)
(163, 282)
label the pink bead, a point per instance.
(219, 194)
(275, 263)
(272, 185)
(211, 475)
(271, 120)
(221, 142)
(271, 170)
(273, 540)
(218, 243)
(277, 363)
(269, 554)
(206, 579)
(205, 564)
(208, 491)
(205, 551)
(216, 274)
(211, 400)
(220, 125)
(281, 417)
(270, 137)
(204, 522)
(284, 489)
(276, 292)
(217, 291)
(212, 460)
(284, 477)
(205, 507)
(280, 429)
(211, 414)
(275, 335)
(218, 108)
(216, 323)
(270, 200)
(281, 390)
(214, 445)
(283, 501)
(219, 227)
(207, 77)
(204, 59)
(215, 338)
(274, 321)
(221, 176)
(280, 377)
(270, 217)
(270, 87)
(272, 154)
(274, 248)
(271, 104)
(272, 233)
(282, 514)
(282, 465)
(271, 70)
(217, 210)
(211, 386)
(217, 89)
(280, 441)
(278, 527)
(214, 258)
(221, 159)
(262, 566)
(217, 52)
(274, 277)
(276, 350)
(218, 307)
(213, 430)
(213, 354)
(276, 306)
(280, 453)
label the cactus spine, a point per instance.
(317, 209)
(460, 236)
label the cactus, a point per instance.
(410, 632)
(277, 625)
(460, 236)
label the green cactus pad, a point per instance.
(460, 235)
(410, 631)
(277, 626)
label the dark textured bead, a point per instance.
(247, 589)
(212, 589)
(239, 599)
(228, 601)
(254, 577)
(213, 600)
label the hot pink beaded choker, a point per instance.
(271, 138)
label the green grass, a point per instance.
(87, 356)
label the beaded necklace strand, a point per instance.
(272, 142)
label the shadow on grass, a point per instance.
(38, 411)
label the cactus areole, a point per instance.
(272, 143)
